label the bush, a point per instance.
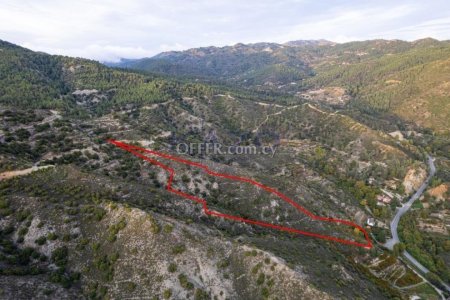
(265, 292)
(114, 229)
(261, 279)
(130, 286)
(41, 240)
(178, 249)
(52, 236)
(172, 268)
(23, 215)
(154, 227)
(185, 283)
(60, 256)
(105, 264)
(168, 228)
(251, 253)
(185, 178)
(223, 263)
(23, 231)
(201, 295)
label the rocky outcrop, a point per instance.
(413, 179)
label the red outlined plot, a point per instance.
(138, 151)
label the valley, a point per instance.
(81, 218)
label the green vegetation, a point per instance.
(380, 76)
(261, 278)
(62, 275)
(105, 264)
(36, 80)
(410, 278)
(168, 228)
(428, 250)
(337, 164)
(155, 228)
(259, 67)
(172, 268)
(381, 83)
(201, 295)
(39, 78)
(178, 249)
(185, 283)
(114, 229)
(41, 240)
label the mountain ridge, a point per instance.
(98, 223)
(292, 70)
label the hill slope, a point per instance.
(98, 222)
(408, 79)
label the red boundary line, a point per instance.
(135, 150)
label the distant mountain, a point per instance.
(122, 63)
(97, 223)
(408, 79)
(241, 64)
(381, 76)
(303, 43)
(31, 79)
(27, 76)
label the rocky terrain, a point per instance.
(80, 218)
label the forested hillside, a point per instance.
(407, 79)
(411, 82)
(30, 79)
(80, 218)
(37, 80)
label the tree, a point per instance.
(399, 248)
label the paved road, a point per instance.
(401, 211)
(415, 262)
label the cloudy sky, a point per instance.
(108, 30)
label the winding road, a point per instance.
(401, 211)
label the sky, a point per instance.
(108, 30)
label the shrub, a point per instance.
(52, 236)
(223, 263)
(130, 286)
(201, 295)
(23, 215)
(256, 268)
(23, 231)
(114, 229)
(185, 178)
(168, 228)
(105, 265)
(185, 283)
(67, 237)
(251, 253)
(172, 268)
(4, 203)
(260, 279)
(41, 240)
(178, 249)
(154, 227)
(265, 292)
(60, 256)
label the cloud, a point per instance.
(438, 28)
(98, 52)
(108, 30)
(343, 25)
(171, 47)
